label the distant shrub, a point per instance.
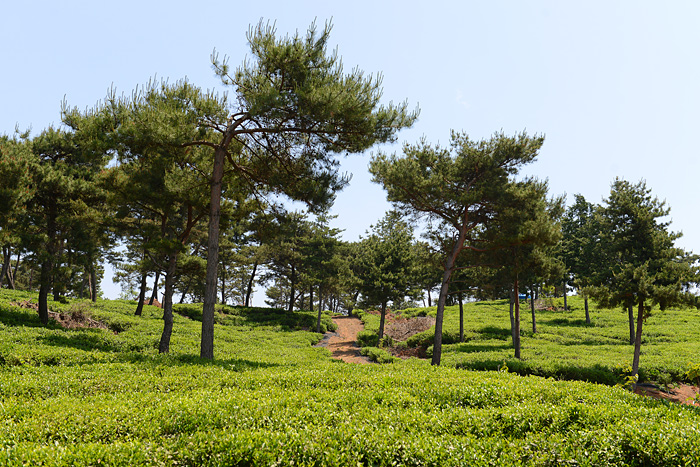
(367, 338)
(378, 355)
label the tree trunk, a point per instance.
(47, 265)
(382, 320)
(630, 313)
(14, 274)
(93, 281)
(461, 318)
(311, 298)
(44, 287)
(222, 287)
(164, 346)
(430, 302)
(142, 294)
(566, 307)
(512, 317)
(249, 291)
(638, 338)
(154, 295)
(532, 309)
(585, 306)
(449, 266)
(318, 320)
(516, 317)
(292, 289)
(207, 343)
(6, 256)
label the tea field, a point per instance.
(106, 397)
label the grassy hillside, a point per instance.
(105, 397)
(565, 347)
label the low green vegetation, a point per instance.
(107, 397)
(565, 346)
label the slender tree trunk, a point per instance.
(207, 343)
(585, 306)
(14, 274)
(449, 266)
(292, 289)
(311, 298)
(430, 302)
(461, 318)
(249, 291)
(5, 263)
(630, 314)
(154, 294)
(382, 320)
(47, 265)
(186, 291)
(222, 285)
(516, 320)
(142, 294)
(638, 338)
(164, 346)
(44, 287)
(318, 320)
(532, 309)
(93, 281)
(512, 317)
(566, 307)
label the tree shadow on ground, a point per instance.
(16, 316)
(494, 332)
(475, 347)
(566, 322)
(592, 374)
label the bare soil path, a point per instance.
(343, 342)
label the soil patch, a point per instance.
(401, 328)
(75, 319)
(343, 342)
(683, 394)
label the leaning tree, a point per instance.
(457, 187)
(292, 110)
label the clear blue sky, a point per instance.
(613, 85)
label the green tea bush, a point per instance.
(378, 355)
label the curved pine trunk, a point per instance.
(164, 346)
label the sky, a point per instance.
(614, 86)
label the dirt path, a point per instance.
(342, 343)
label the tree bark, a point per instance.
(585, 306)
(207, 342)
(318, 320)
(439, 316)
(532, 309)
(382, 320)
(630, 314)
(47, 265)
(638, 338)
(142, 294)
(461, 318)
(14, 274)
(154, 295)
(430, 302)
(512, 317)
(566, 307)
(249, 291)
(5, 263)
(292, 289)
(93, 281)
(311, 298)
(164, 346)
(516, 318)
